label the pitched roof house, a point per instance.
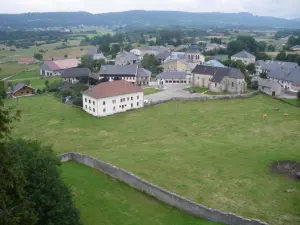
(52, 68)
(244, 56)
(268, 65)
(130, 73)
(287, 78)
(74, 75)
(96, 54)
(171, 77)
(219, 79)
(112, 97)
(126, 58)
(21, 90)
(214, 63)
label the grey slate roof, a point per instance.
(118, 70)
(93, 51)
(75, 72)
(219, 73)
(128, 55)
(292, 75)
(159, 49)
(193, 48)
(143, 73)
(163, 55)
(18, 86)
(272, 64)
(244, 54)
(214, 63)
(172, 75)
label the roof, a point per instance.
(118, 70)
(93, 51)
(128, 55)
(75, 72)
(193, 48)
(244, 54)
(18, 86)
(178, 55)
(62, 64)
(294, 75)
(172, 75)
(27, 60)
(272, 64)
(143, 73)
(219, 73)
(220, 57)
(112, 88)
(163, 55)
(159, 49)
(214, 63)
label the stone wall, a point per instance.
(161, 194)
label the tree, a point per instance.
(263, 75)
(105, 48)
(251, 68)
(262, 56)
(78, 101)
(271, 48)
(87, 61)
(149, 62)
(38, 56)
(66, 55)
(298, 94)
(281, 56)
(262, 46)
(216, 40)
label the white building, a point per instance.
(112, 97)
(244, 56)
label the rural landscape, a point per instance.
(205, 112)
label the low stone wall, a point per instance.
(161, 194)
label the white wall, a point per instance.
(246, 61)
(111, 105)
(73, 80)
(50, 73)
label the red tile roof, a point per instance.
(27, 60)
(62, 64)
(112, 88)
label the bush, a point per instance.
(38, 91)
(298, 95)
(78, 102)
(254, 85)
(66, 92)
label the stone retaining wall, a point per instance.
(161, 194)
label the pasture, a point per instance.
(215, 152)
(101, 198)
(8, 69)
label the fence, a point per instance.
(161, 194)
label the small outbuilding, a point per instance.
(21, 90)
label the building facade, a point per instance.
(172, 78)
(245, 57)
(113, 97)
(126, 58)
(74, 75)
(55, 68)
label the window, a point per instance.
(131, 98)
(104, 110)
(90, 101)
(103, 102)
(90, 108)
(93, 102)
(122, 106)
(93, 109)
(114, 101)
(137, 103)
(85, 100)
(215, 84)
(127, 98)
(138, 97)
(131, 105)
(86, 106)
(167, 81)
(114, 108)
(232, 84)
(174, 81)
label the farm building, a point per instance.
(56, 67)
(73, 75)
(21, 90)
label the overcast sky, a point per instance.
(278, 8)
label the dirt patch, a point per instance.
(287, 168)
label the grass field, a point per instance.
(103, 200)
(8, 69)
(37, 83)
(149, 91)
(214, 152)
(196, 89)
(293, 101)
(26, 75)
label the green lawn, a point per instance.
(293, 101)
(196, 89)
(37, 83)
(103, 200)
(214, 152)
(26, 75)
(8, 69)
(149, 91)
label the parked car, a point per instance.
(192, 91)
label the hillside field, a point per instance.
(215, 152)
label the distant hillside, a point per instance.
(142, 18)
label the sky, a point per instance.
(278, 8)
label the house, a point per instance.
(130, 73)
(244, 56)
(219, 79)
(171, 77)
(96, 54)
(175, 65)
(214, 63)
(214, 46)
(73, 75)
(21, 90)
(288, 79)
(136, 51)
(296, 48)
(27, 61)
(163, 57)
(270, 87)
(126, 58)
(268, 65)
(112, 97)
(56, 67)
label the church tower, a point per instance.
(193, 54)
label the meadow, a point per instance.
(102, 198)
(215, 152)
